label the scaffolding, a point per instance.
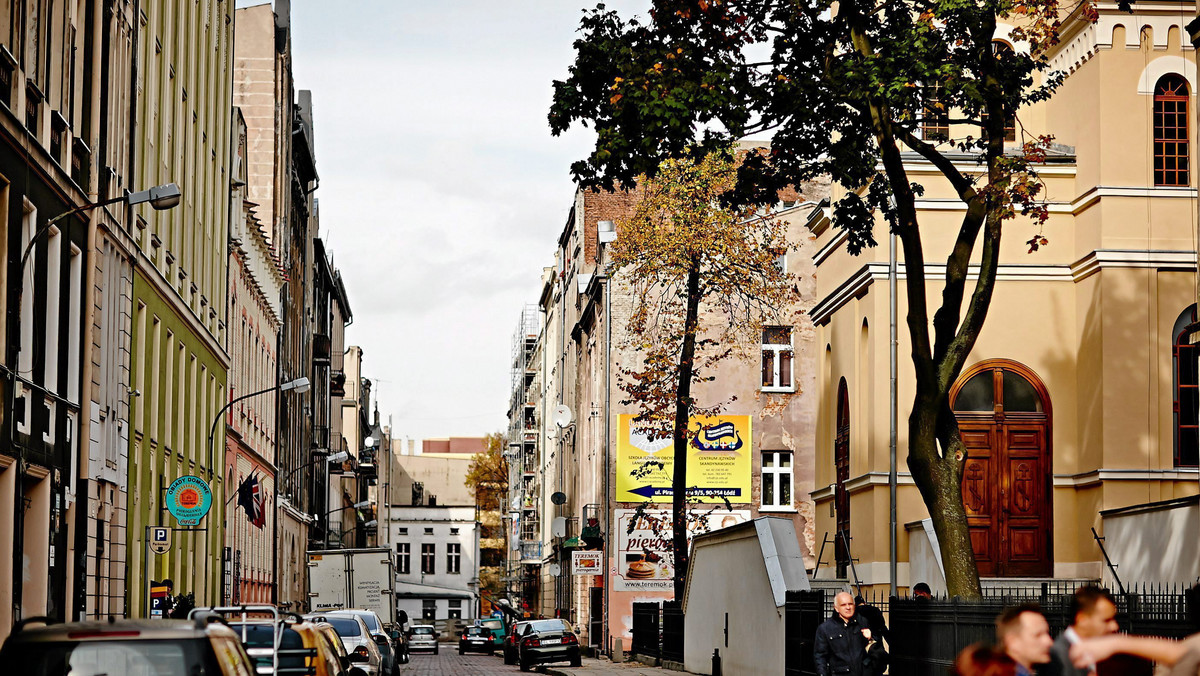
(523, 449)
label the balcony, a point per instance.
(531, 552)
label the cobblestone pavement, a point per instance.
(449, 663)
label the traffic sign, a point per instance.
(160, 539)
(189, 499)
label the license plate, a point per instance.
(474, 640)
(552, 641)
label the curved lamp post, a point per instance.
(299, 385)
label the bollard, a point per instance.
(618, 649)
(716, 662)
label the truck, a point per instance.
(353, 578)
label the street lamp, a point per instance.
(299, 385)
(366, 524)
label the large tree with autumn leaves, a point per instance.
(843, 88)
(686, 256)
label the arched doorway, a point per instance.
(1003, 413)
(841, 463)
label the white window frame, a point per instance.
(453, 558)
(777, 349)
(774, 473)
(404, 558)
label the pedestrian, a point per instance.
(1024, 635)
(874, 618)
(982, 659)
(1093, 613)
(844, 643)
(922, 591)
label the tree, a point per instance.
(487, 475)
(840, 86)
(685, 256)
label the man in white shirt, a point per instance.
(1093, 614)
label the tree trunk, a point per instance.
(683, 403)
(939, 478)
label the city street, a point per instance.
(450, 663)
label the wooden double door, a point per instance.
(1004, 418)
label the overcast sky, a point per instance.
(442, 191)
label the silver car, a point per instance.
(357, 639)
(422, 637)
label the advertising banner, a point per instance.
(643, 555)
(718, 464)
(587, 563)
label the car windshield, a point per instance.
(369, 618)
(419, 631)
(476, 631)
(93, 658)
(547, 625)
(491, 624)
(263, 636)
(345, 626)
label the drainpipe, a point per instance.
(604, 632)
(892, 413)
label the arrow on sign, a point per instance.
(656, 491)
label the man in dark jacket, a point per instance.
(844, 645)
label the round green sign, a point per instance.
(188, 499)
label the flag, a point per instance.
(251, 499)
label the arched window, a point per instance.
(1186, 388)
(1171, 131)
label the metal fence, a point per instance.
(672, 631)
(926, 635)
(646, 634)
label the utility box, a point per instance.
(353, 578)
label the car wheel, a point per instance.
(508, 657)
(461, 651)
(525, 665)
(435, 650)
(577, 661)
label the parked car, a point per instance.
(543, 641)
(422, 637)
(124, 647)
(387, 650)
(357, 639)
(303, 649)
(476, 639)
(498, 626)
(510, 641)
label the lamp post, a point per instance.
(299, 385)
(357, 505)
(365, 524)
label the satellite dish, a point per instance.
(562, 415)
(558, 498)
(554, 570)
(552, 433)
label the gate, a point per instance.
(645, 630)
(672, 631)
(596, 617)
(803, 612)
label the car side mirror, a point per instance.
(380, 639)
(437, 634)
(576, 631)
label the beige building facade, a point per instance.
(1079, 395)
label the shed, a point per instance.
(741, 575)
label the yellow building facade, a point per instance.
(1079, 395)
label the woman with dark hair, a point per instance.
(982, 659)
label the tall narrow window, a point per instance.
(776, 480)
(935, 119)
(1003, 52)
(1186, 404)
(1171, 131)
(403, 564)
(453, 558)
(777, 358)
(428, 555)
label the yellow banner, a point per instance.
(718, 463)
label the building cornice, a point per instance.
(1097, 477)
(857, 284)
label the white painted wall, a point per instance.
(739, 573)
(1158, 544)
(408, 524)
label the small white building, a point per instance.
(740, 576)
(437, 561)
